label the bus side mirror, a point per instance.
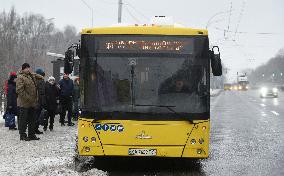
(216, 64)
(69, 61)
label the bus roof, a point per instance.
(147, 30)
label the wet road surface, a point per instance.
(247, 138)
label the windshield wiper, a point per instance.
(170, 108)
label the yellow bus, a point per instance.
(145, 91)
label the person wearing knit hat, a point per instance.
(11, 102)
(41, 106)
(40, 71)
(52, 90)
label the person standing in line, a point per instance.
(26, 89)
(52, 90)
(65, 98)
(41, 100)
(76, 98)
(12, 101)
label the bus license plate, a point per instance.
(142, 152)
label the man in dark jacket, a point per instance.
(27, 100)
(12, 100)
(66, 91)
(41, 100)
(52, 90)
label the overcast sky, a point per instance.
(254, 28)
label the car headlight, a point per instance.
(275, 90)
(263, 90)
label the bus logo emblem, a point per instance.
(143, 135)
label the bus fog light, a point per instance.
(87, 149)
(201, 141)
(83, 125)
(93, 139)
(199, 151)
(204, 128)
(193, 141)
(85, 139)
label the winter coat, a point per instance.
(66, 87)
(26, 89)
(41, 93)
(52, 92)
(76, 92)
(12, 97)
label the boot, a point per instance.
(12, 128)
(38, 132)
(71, 124)
(33, 137)
(24, 138)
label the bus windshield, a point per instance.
(163, 83)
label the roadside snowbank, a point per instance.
(215, 92)
(52, 155)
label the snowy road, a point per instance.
(247, 138)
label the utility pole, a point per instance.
(119, 10)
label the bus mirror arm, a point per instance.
(216, 63)
(72, 51)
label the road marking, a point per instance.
(275, 113)
(263, 105)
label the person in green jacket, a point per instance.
(27, 101)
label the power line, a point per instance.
(242, 32)
(229, 20)
(240, 17)
(132, 15)
(137, 11)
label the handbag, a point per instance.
(9, 120)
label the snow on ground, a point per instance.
(215, 92)
(52, 155)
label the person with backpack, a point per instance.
(11, 110)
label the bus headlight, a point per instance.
(201, 141)
(85, 139)
(199, 151)
(193, 141)
(87, 149)
(93, 139)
